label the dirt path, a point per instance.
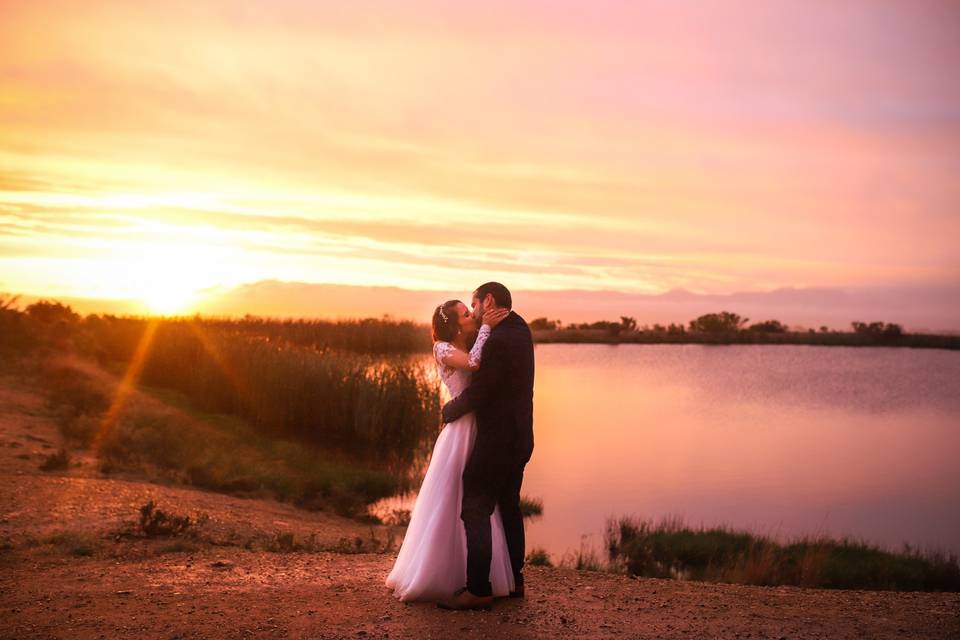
(233, 593)
(65, 574)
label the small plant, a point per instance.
(283, 542)
(539, 557)
(583, 559)
(355, 544)
(587, 560)
(398, 518)
(56, 461)
(531, 507)
(155, 523)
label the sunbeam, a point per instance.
(242, 388)
(127, 385)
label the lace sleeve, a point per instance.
(482, 336)
(441, 350)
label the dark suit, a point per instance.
(501, 394)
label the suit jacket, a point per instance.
(501, 394)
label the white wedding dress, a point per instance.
(432, 562)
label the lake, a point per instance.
(782, 440)
(785, 440)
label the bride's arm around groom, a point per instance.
(483, 384)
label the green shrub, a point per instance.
(531, 507)
(156, 523)
(673, 549)
(538, 557)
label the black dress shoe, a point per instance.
(462, 599)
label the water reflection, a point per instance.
(784, 440)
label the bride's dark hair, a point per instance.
(446, 324)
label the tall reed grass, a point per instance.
(367, 335)
(169, 440)
(313, 412)
(375, 407)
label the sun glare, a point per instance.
(167, 286)
(167, 300)
(168, 277)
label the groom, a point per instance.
(501, 394)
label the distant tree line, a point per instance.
(722, 322)
(888, 330)
(728, 327)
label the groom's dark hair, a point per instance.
(501, 295)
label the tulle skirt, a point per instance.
(432, 562)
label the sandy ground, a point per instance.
(219, 583)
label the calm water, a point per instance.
(783, 440)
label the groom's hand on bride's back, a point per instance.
(450, 411)
(455, 408)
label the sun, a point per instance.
(167, 300)
(167, 277)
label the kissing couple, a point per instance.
(465, 544)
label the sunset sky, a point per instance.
(155, 150)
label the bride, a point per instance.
(432, 562)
